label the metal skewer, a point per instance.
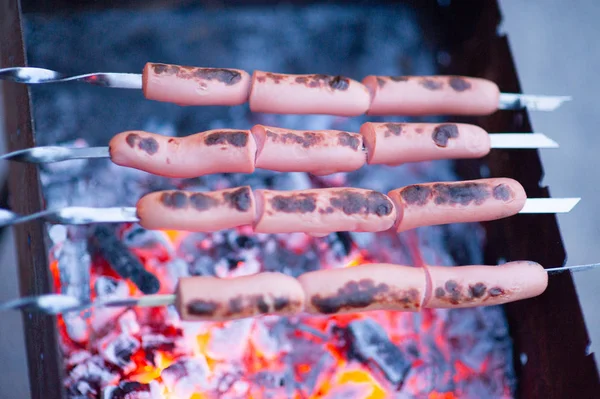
(34, 76)
(52, 154)
(80, 215)
(54, 304)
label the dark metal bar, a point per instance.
(41, 338)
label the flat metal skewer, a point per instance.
(54, 304)
(80, 215)
(51, 154)
(34, 76)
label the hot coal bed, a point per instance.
(150, 353)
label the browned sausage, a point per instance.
(398, 143)
(363, 288)
(468, 286)
(213, 151)
(211, 298)
(404, 288)
(197, 211)
(457, 202)
(323, 211)
(278, 93)
(320, 152)
(184, 85)
(431, 95)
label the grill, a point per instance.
(548, 332)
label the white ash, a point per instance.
(186, 376)
(118, 350)
(231, 340)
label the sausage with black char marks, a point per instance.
(307, 94)
(398, 143)
(431, 95)
(185, 85)
(209, 152)
(216, 299)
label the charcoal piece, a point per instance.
(105, 242)
(369, 343)
(203, 266)
(345, 239)
(127, 390)
(285, 261)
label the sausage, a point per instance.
(307, 94)
(364, 288)
(431, 95)
(397, 143)
(319, 152)
(184, 85)
(212, 298)
(213, 151)
(457, 202)
(197, 211)
(323, 211)
(392, 287)
(469, 286)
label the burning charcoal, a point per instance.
(93, 371)
(320, 361)
(420, 380)
(57, 233)
(203, 266)
(186, 376)
(122, 261)
(108, 288)
(231, 341)
(345, 239)
(245, 242)
(267, 341)
(131, 390)
(158, 342)
(74, 271)
(274, 383)
(118, 350)
(279, 258)
(370, 344)
(128, 323)
(138, 237)
(78, 357)
(174, 270)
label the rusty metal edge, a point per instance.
(41, 337)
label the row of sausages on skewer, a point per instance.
(320, 152)
(278, 93)
(319, 212)
(355, 289)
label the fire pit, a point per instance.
(150, 353)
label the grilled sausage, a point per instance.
(213, 151)
(363, 288)
(404, 288)
(397, 143)
(211, 298)
(184, 85)
(457, 202)
(431, 95)
(196, 211)
(323, 211)
(319, 152)
(469, 286)
(307, 94)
